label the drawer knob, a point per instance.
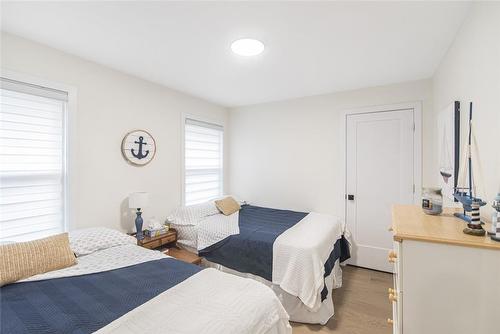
(390, 321)
(391, 291)
(393, 254)
(393, 298)
(392, 260)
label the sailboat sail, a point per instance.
(476, 186)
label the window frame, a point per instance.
(69, 140)
(203, 119)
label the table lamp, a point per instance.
(138, 201)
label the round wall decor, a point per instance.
(138, 147)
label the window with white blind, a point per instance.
(32, 161)
(203, 161)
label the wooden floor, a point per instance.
(361, 305)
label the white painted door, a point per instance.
(380, 170)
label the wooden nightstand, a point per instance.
(165, 240)
(183, 255)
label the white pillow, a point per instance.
(89, 240)
(191, 215)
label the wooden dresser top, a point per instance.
(411, 223)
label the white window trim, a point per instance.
(206, 119)
(70, 189)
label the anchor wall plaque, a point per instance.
(138, 147)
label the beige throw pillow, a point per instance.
(227, 206)
(25, 259)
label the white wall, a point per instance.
(471, 72)
(290, 154)
(109, 104)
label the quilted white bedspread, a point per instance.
(210, 302)
(299, 255)
(215, 228)
(103, 260)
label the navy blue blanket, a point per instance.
(251, 251)
(84, 304)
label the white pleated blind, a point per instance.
(203, 161)
(32, 161)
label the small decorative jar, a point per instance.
(432, 201)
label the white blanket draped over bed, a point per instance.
(300, 253)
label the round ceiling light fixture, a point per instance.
(247, 47)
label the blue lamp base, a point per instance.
(138, 225)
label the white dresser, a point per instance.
(445, 282)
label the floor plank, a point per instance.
(361, 305)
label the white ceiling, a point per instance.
(311, 47)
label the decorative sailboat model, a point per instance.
(466, 190)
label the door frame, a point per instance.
(417, 142)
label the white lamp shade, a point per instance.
(138, 200)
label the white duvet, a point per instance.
(299, 256)
(207, 302)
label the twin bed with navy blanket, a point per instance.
(297, 254)
(128, 289)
